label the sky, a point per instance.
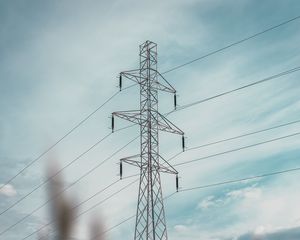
(60, 60)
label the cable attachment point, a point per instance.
(175, 101)
(120, 82)
(121, 169)
(183, 143)
(112, 123)
(177, 183)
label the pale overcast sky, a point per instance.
(60, 60)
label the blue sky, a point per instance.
(60, 60)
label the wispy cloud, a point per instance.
(7, 190)
(267, 233)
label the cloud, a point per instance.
(8, 190)
(264, 233)
(246, 193)
(181, 228)
(206, 203)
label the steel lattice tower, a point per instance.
(150, 216)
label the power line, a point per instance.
(189, 149)
(120, 223)
(84, 212)
(232, 44)
(237, 149)
(110, 98)
(266, 79)
(236, 137)
(99, 203)
(241, 179)
(284, 73)
(80, 178)
(80, 123)
(290, 71)
(214, 184)
(54, 197)
(208, 186)
(231, 181)
(59, 140)
(63, 137)
(51, 199)
(43, 183)
(115, 193)
(48, 179)
(115, 226)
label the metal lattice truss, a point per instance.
(150, 217)
(161, 166)
(163, 123)
(161, 83)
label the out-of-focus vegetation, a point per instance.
(63, 211)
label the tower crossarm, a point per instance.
(132, 115)
(162, 165)
(133, 75)
(133, 160)
(161, 84)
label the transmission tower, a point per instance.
(150, 217)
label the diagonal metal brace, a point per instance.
(133, 75)
(161, 84)
(132, 116)
(131, 160)
(164, 167)
(165, 125)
